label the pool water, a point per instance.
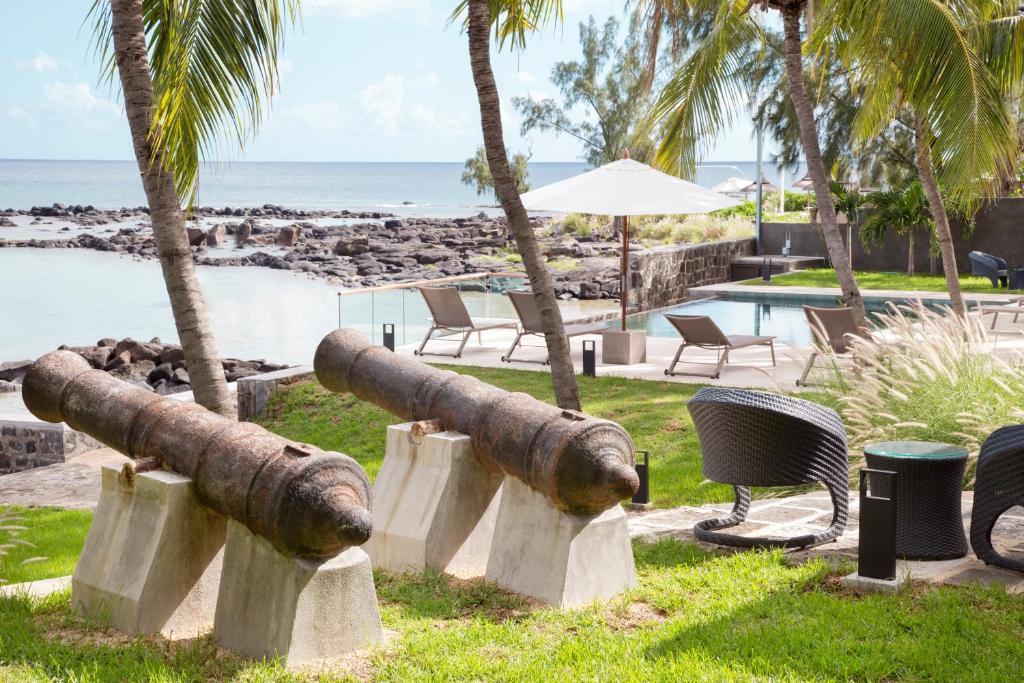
(783, 319)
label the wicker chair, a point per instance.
(999, 485)
(987, 265)
(750, 438)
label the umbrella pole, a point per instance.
(624, 289)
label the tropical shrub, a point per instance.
(927, 376)
(10, 528)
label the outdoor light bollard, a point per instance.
(389, 336)
(555, 530)
(876, 548)
(766, 270)
(643, 492)
(590, 358)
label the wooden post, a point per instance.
(624, 289)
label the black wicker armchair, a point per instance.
(750, 438)
(999, 485)
(987, 265)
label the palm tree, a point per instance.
(511, 20)
(704, 94)
(903, 211)
(191, 73)
(951, 64)
(848, 202)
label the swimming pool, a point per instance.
(781, 317)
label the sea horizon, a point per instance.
(408, 188)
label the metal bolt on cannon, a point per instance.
(582, 464)
(307, 502)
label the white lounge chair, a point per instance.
(451, 317)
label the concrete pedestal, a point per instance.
(299, 610)
(152, 559)
(560, 559)
(620, 347)
(434, 505)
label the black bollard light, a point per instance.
(876, 547)
(643, 493)
(389, 336)
(590, 358)
(766, 270)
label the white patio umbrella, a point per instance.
(625, 188)
(731, 185)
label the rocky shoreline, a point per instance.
(151, 365)
(370, 249)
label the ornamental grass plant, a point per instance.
(928, 376)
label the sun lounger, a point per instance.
(529, 325)
(833, 329)
(1015, 308)
(451, 317)
(701, 331)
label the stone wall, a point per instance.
(27, 443)
(662, 276)
(254, 392)
(999, 229)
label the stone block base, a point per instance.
(151, 562)
(560, 559)
(434, 505)
(869, 585)
(299, 610)
(620, 347)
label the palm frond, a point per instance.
(214, 70)
(922, 52)
(514, 20)
(704, 95)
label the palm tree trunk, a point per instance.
(563, 374)
(187, 303)
(910, 252)
(944, 236)
(815, 165)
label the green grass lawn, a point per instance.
(654, 413)
(826, 277)
(55, 535)
(695, 616)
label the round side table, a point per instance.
(929, 482)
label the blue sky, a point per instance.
(362, 80)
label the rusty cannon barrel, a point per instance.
(582, 464)
(306, 502)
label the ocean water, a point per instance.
(408, 189)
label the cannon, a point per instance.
(582, 464)
(308, 503)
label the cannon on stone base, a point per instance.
(295, 516)
(526, 491)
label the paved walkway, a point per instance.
(76, 484)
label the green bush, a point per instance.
(929, 377)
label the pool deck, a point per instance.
(748, 368)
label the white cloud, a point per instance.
(42, 63)
(79, 100)
(363, 8)
(525, 77)
(382, 102)
(428, 80)
(19, 114)
(325, 116)
(285, 65)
